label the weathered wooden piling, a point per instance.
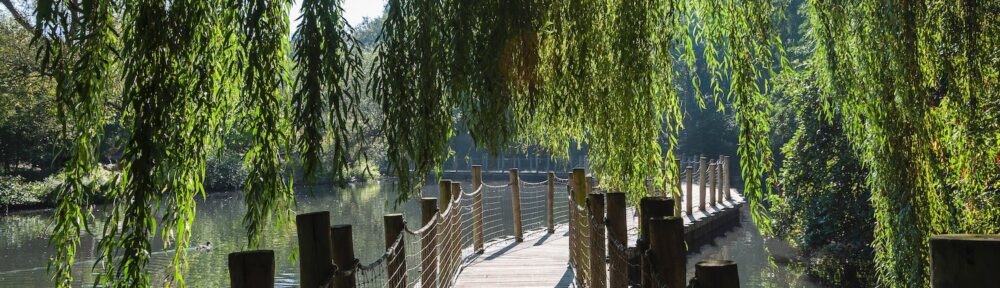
(666, 253)
(477, 209)
(965, 260)
(711, 184)
(550, 203)
(680, 190)
(396, 266)
(313, 231)
(428, 255)
(690, 192)
(618, 232)
(515, 200)
(726, 185)
(598, 262)
(251, 269)
(342, 253)
(714, 273)
(702, 181)
(650, 208)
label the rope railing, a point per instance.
(454, 236)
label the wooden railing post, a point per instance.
(716, 274)
(725, 179)
(428, 255)
(718, 180)
(396, 266)
(650, 208)
(688, 196)
(666, 251)
(702, 182)
(455, 231)
(251, 269)
(477, 208)
(711, 184)
(444, 194)
(515, 200)
(618, 232)
(965, 260)
(313, 231)
(342, 253)
(598, 257)
(550, 203)
(680, 189)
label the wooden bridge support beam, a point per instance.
(702, 165)
(515, 200)
(550, 202)
(313, 231)
(618, 232)
(342, 252)
(965, 260)
(251, 269)
(428, 255)
(666, 253)
(477, 209)
(396, 267)
(716, 274)
(688, 197)
(598, 257)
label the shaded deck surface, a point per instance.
(540, 261)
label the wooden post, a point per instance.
(428, 257)
(550, 203)
(711, 184)
(650, 208)
(725, 179)
(515, 200)
(396, 267)
(598, 257)
(965, 260)
(313, 231)
(342, 253)
(477, 208)
(718, 180)
(688, 197)
(251, 269)
(716, 274)
(618, 232)
(702, 182)
(666, 251)
(579, 186)
(680, 190)
(444, 194)
(456, 231)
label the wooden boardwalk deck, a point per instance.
(540, 261)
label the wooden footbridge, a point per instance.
(559, 232)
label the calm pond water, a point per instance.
(24, 249)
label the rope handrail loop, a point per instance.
(487, 185)
(526, 183)
(473, 193)
(421, 230)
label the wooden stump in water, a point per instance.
(251, 269)
(965, 260)
(716, 274)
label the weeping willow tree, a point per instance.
(920, 109)
(917, 84)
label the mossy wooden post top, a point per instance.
(579, 186)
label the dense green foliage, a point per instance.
(911, 84)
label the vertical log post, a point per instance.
(313, 231)
(680, 190)
(550, 202)
(477, 208)
(251, 269)
(598, 257)
(515, 200)
(714, 273)
(455, 229)
(444, 194)
(342, 253)
(688, 197)
(965, 260)
(396, 266)
(702, 183)
(711, 184)
(578, 197)
(618, 232)
(666, 251)
(579, 186)
(725, 179)
(428, 255)
(650, 208)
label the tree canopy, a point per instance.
(915, 83)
